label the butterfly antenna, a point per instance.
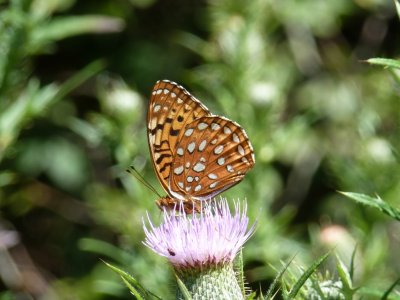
(131, 170)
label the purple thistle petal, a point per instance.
(212, 237)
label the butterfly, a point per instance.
(196, 154)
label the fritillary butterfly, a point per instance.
(196, 155)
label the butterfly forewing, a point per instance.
(196, 155)
(212, 154)
(171, 109)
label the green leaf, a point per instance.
(386, 62)
(390, 289)
(352, 261)
(373, 293)
(238, 267)
(182, 288)
(104, 249)
(344, 276)
(278, 277)
(303, 278)
(136, 289)
(62, 27)
(253, 296)
(80, 77)
(132, 289)
(34, 100)
(12, 36)
(397, 4)
(6, 296)
(374, 202)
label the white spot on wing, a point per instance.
(191, 147)
(187, 165)
(189, 179)
(235, 138)
(212, 176)
(173, 95)
(227, 130)
(159, 92)
(180, 184)
(199, 167)
(152, 138)
(213, 185)
(229, 168)
(215, 126)
(202, 145)
(157, 108)
(153, 123)
(221, 161)
(166, 91)
(178, 170)
(189, 131)
(197, 188)
(180, 101)
(241, 150)
(214, 141)
(202, 126)
(179, 151)
(218, 149)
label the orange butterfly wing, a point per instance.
(171, 109)
(212, 154)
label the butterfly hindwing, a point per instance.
(212, 154)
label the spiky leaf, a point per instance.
(303, 278)
(374, 202)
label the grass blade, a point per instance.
(303, 278)
(386, 62)
(390, 289)
(353, 256)
(277, 279)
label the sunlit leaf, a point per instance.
(344, 275)
(62, 27)
(136, 288)
(183, 289)
(374, 202)
(397, 4)
(386, 62)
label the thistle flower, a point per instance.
(202, 247)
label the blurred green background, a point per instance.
(75, 79)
